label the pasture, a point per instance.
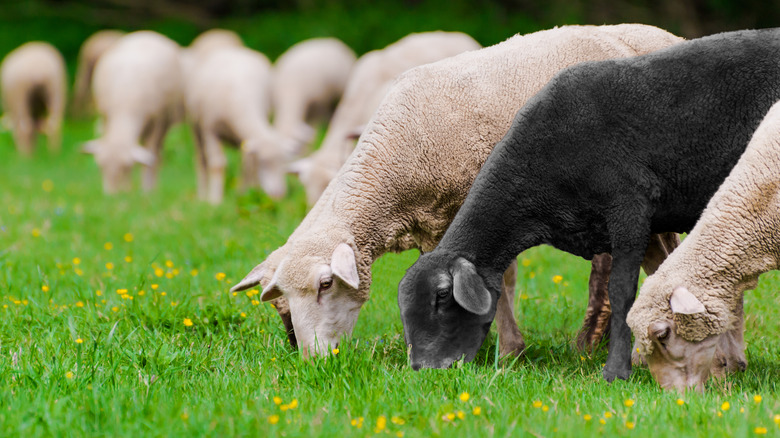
(117, 320)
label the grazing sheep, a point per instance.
(205, 44)
(308, 80)
(607, 153)
(410, 172)
(138, 93)
(695, 299)
(228, 100)
(370, 79)
(33, 86)
(92, 48)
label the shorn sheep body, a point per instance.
(367, 84)
(228, 100)
(137, 86)
(411, 170)
(91, 50)
(695, 298)
(308, 80)
(606, 154)
(33, 84)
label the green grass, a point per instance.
(140, 371)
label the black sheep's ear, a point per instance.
(469, 289)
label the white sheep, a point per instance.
(411, 171)
(92, 48)
(693, 304)
(205, 44)
(33, 80)
(228, 100)
(370, 79)
(137, 86)
(308, 80)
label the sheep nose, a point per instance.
(416, 366)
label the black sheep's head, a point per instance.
(446, 309)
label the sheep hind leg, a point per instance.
(510, 340)
(595, 327)
(154, 144)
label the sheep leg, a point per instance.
(510, 340)
(53, 125)
(154, 144)
(200, 163)
(249, 169)
(595, 327)
(215, 167)
(622, 292)
(24, 136)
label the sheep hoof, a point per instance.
(514, 348)
(611, 374)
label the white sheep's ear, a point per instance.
(252, 279)
(300, 167)
(356, 132)
(684, 302)
(272, 291)
(141, 155)
(469, 289)
(90, 147)
(344, 266)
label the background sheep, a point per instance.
(92, 48)
(370, 79)
(308, 80)
(412, 169)
(228, 100)
(695, 298)
(606, 153)
(137, 88)
(33, 87)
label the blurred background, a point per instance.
(271, 26)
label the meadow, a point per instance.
(116, 320)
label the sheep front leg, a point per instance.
(200, 163)
(154, 144)
(53, 125)
(24, 136)
(510, 340)
(622, 292)
(215, 168)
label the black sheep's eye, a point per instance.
(443, 293)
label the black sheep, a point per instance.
(606, 154)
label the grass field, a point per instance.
(117, 321)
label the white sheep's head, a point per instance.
(322, 292)
(267, 160)
(116, 163)
(680, 344)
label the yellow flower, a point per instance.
(163, 293)
(108, 246)
(461, 415)
(128, 259)
(680, 401)
(128, 237)
(293, 404)
(557, 279)
(45, 288)
(450, 416)
(607, 414)
(526, 262)
(141, 293)
(159, 272)
(277, 400)
(243, 314)
(76, 261)
(760, 430)
(184, 416)
(25, 302)
(629, 425)
(79, 272)
(477, 410)
(531, 274)
(720, 414)
(587, 417)
(79, 304)
(194, 272)
(629, 403)
(284, 407)
(464, 396)
(109, 266)
(79, 341)
(398, 420)
(777, 419)
(47, 185)
(35, 232)
(757, 398)
(399, 434)
(255, 302)
(121, 291)
(545, 408)
(154, 286)
(187, 322)
(335, 351)
(725, 406)
(273, 419)
(220, 276)
(169, 263)
(169, 275)
(115, 309)
(69, 375)
(602, 421)
(99, 292)
(537, 403)
(381, 423)
(523, 296)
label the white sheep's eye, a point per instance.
(662, 335)
(325, 284)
